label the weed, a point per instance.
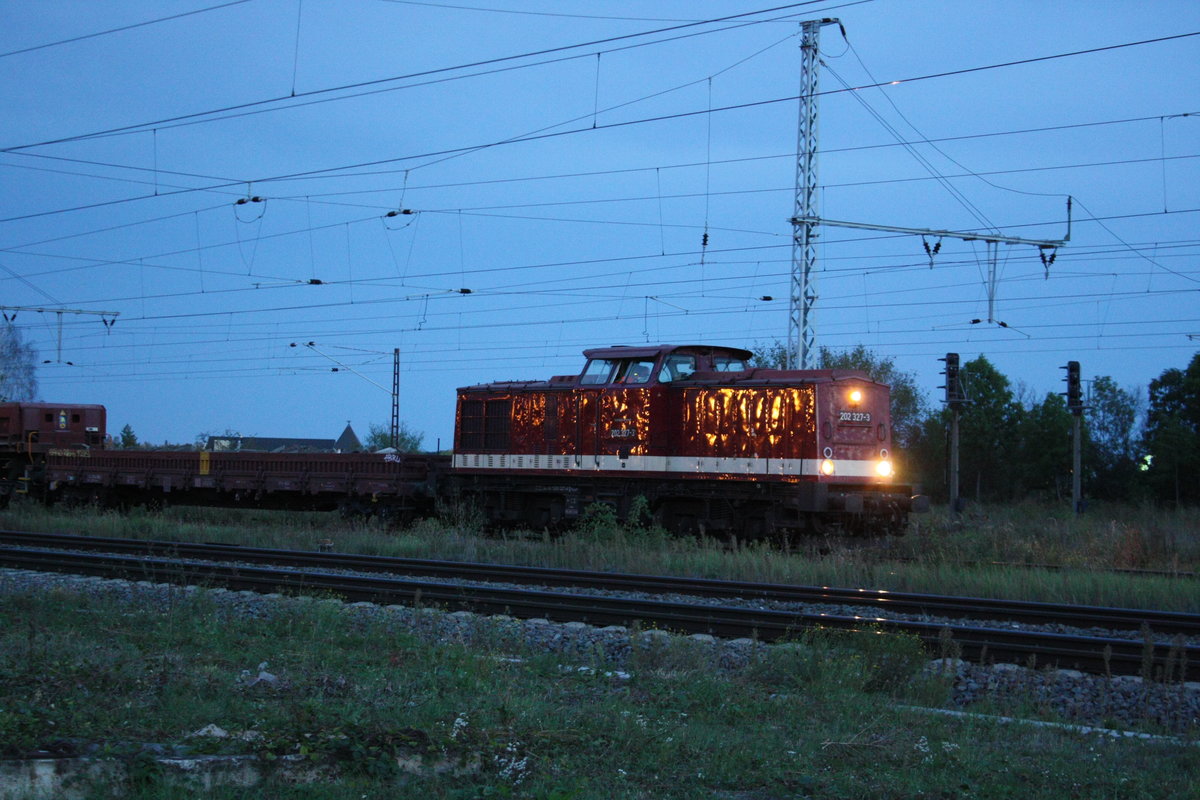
(597, 523)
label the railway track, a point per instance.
(149, 561)
(1131, 571)
(1160, 623)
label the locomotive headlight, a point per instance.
(884, 469)
(827, 467)
(855, 397)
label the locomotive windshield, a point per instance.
(598, 370)
(729, 364)
(617, 370)
(676, 368)
(635, 371)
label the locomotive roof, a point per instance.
(755, 376)
(649, 351)
(51, 406)
(765, 376)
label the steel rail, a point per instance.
(1134, 571)
(1090, 654)
(1160, 623)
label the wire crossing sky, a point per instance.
(493, 187)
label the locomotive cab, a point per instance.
(35, 428)
(30, 431)
(624, 365)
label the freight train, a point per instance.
(691, 436)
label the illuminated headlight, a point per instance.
(884, 469)
(827, 467)
(855, 397)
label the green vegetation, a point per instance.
(18, 366)
(127, 440)
(973, 555)
(380, 437)
(820, 719)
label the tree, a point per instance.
(772, 355)
(988, 433)
(926, 455)
(18, 366)
(1173, 434)
(1110, 450)
(128, 439)
(380, 438)
(1042, 463)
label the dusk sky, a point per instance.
(217, 178)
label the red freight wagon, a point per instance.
(709, 442)
(397, 486)
(29, 431)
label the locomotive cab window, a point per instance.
(635, 371)
(598, 371)
(677, 368)
(728, 364)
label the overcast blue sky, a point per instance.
(563, 161)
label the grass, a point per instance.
(820, 719)
(971, 555)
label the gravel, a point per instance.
(1000, 688)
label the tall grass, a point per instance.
(973, 554)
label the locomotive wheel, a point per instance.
(394, 516)
(353, 508)
(895, 525)
(818, 525)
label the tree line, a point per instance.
(1137, 447)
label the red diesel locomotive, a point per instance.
(710, 443)
(690, 435)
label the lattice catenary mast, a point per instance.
(801, 338)
(801, 335)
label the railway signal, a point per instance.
(1075, 405)
(955, 400)
(1074, 388)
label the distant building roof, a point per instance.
(346, 443)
